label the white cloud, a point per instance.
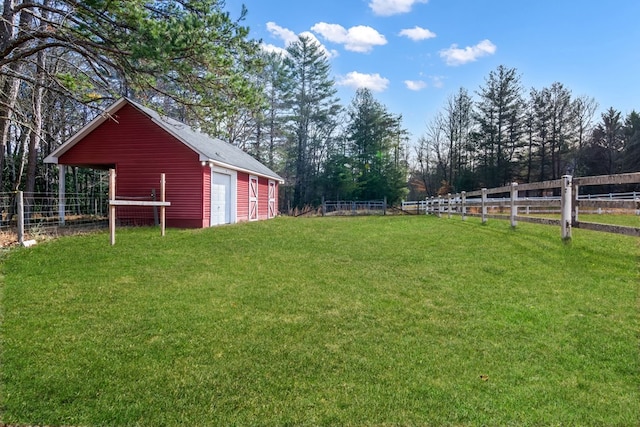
(417, 33)
(356, 39)
(328, 53)
(393, 7)
(374, 82)
(437, 81)
(267, 47)
(288, 37)
(456, 56)
(415, 84)
(283, 34)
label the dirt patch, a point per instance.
(8, 240)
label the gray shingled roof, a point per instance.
(209, 149)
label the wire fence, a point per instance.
(354, 207)
(37, 214)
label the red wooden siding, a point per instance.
(263, 198)
(141, 150)
(243, 197)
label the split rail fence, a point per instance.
(512, 203)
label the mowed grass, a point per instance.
(323, 321)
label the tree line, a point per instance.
(505, 134)
(62, 62)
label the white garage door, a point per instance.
(220, 199)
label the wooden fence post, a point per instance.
(514, 205)
(484, 205)
(449, 205)
(566, 199)
(439, 206)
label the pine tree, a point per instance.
(500, 114)
(376, 141)
(313, 118)
(631, 151)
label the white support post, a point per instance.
(514, 203)
(439, 207)
(464, 205)
(162, 207)
(62, 174)
(574, 204)
(484, 205)
(112, 207)
(449, 206)
(565, 221)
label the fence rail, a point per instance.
(568, 205)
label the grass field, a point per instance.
(323, 321)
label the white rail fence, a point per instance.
(507, 203)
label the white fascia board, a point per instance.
(247, 171)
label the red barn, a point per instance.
(208, 181)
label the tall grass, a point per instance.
(325, 321)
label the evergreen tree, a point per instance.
(500, 115)
(313, 121)
(376, 141)
(270, 130)
(604, 156)
(631, 151)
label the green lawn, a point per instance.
(323, 321)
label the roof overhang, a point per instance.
(223, 165)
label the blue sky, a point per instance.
(414, 54)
